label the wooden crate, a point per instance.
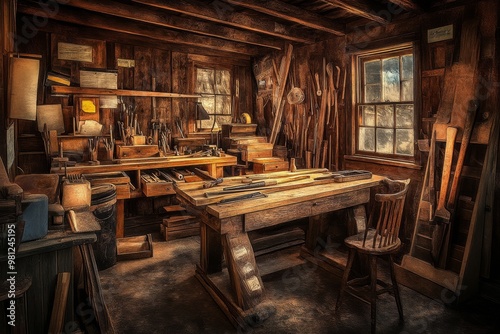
(134, 247)
(267, 165)
(261, 150)
(238, 142)
(177, 227)
(120, 179)
(229, 130)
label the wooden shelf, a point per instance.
(121, 92)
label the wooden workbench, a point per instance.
(225, 226)
(213, 165)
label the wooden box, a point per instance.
(120, 179)
(238, 142)
(151, 189)
(229, 130)
(134, 247)
(137, 151)
(267, 165)
(260, 150)
(177, 227)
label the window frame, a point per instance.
(359, 78)
(215, 67)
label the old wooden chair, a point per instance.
(380, 240)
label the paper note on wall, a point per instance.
(23, 87)
(88, 106)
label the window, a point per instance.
(385, 109)
(215, 87)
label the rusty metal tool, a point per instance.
(253, 195)
(265, 183)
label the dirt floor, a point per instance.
(162, 295)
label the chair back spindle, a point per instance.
(388, 220)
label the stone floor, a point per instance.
(162, 295)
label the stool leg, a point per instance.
(395, 288)
(372, 260)
(345, 277)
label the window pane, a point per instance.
(390, 67)
(204, 81)
(404, 142)
(407, 94)
(372, 72)
(366, 139)
(407, 67)
(385, 139)
(385, 116)
(222, 85)
(372, 93)
(208, 103)
(367, 116)
(223, 105)
(404, 116)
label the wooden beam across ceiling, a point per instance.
(222, 12)
(408, 5)
(162, 18)
(55, 27)
(92, 19)
(362, 8)
(293, 14)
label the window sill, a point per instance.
(380, 161)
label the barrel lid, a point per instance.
(103, 193)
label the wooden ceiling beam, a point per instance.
(86, 18)
(163, 19)
(55, 27)
(408, 5)
(293, 14)
(222, 12)
(360, 8)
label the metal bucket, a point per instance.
(103, 206)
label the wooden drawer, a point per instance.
(150, 189)
(271, 217)
(136, 151)
(267, 165)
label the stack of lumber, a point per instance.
(179, 224)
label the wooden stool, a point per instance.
(381, 241)
(22, 285)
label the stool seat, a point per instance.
(369, 245)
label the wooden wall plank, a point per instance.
(180, 107)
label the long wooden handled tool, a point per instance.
(265, 183)
(427, 203)
(469, 124)
(442, 215)
(277, 175)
